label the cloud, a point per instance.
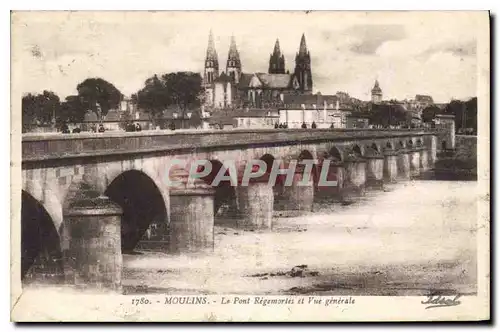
(368, 38)
(456, 48)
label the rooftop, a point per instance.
(424, 98)
(271, 81)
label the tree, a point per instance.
(182, 90)
(465, 113)
(28, 110)
(387, 114)
(97, 93)
(471, 114)
(153, 97)
(429, 113)
(39, 109)
(72, 110)
(196, 118)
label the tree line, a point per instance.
(465, 113)
(180, 90)
(393, 114)
(386, 115)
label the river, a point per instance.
(417, 238)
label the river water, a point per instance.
(417, 238)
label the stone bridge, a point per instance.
(86, 198)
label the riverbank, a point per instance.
(459, 164)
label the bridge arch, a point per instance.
(375, 147)
(144, 210)
(269, 160)
(155, 171)
(278, 187)
(357, 150)
(48, 199)
(225, 193)
(307, 155)
(302, 155)
(335, 154)
(41, 254)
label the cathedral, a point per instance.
(233, 88)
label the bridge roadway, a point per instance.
(39, 147)
(98, 193)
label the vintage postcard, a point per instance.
(265, 166)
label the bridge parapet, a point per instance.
(48, 147)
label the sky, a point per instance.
(409, 53)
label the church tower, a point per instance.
(303, 67)
(211, 71)
(277, 60)
(233, 66)
(376, 93)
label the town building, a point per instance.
(114, 120)
(418, 104)
(446, 122)
(357, 120)
(324, 111)
(244, 119)
(423, 101)
(376, 93)
(127, 105)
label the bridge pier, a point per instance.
(424, 162)
(415, 162)
(298, 197)
(390, 166)
(374, 169)
(256, 202)
(94, 257)
(191, 215)
(356, 178)
(404, 164)
(433, 151)
(336, 172)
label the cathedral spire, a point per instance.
(233, 50)
(277, 60)
(211, 71)
(277, 50)
(233, 65)
(211, 52)
(303, 72)
(303, 46)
